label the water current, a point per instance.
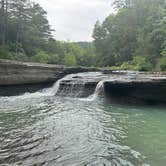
(44, 128)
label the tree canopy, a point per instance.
(138, 28)
(133, 37)
(25, 35)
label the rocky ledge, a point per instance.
(119, 86)
(137, 88)
(21, 73)
(20, 77)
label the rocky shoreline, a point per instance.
(21, 73)
(137, 88)
(120, 86)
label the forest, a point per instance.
(134, 37)
(25, 35)
(131, 38)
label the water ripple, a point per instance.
(66, 131)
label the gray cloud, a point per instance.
(74, 19)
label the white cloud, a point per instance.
(74, 19)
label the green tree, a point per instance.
(70, 60)
(137, 28)
(41, 57)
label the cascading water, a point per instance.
(82, 85)
(98, 91)
(70, 88)
(45, 92)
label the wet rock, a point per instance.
(119, 86)
(80, 85)
(20, 77)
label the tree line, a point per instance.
(25, 35)
(134, 37)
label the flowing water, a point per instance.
(55, 130)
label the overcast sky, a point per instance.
(74, 19)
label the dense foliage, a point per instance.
(134, 37)
(23, 26)
(25, 35)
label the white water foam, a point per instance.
(98, 90)
(52, 91)
(45, 92)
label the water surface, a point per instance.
(72, 132)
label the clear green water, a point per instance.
(72, 132)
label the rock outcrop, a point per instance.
(137, 88)
(20, 73)
(19, 77)
(119, 86)
(80, 85)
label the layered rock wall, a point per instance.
(19, 73)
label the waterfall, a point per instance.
(71, 89)
(67, 86)
(45, 92)
(74, 85)
(52, 90)
(98, 90)
(80, 85)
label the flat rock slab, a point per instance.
(140, 87)
(20, 73)
(127, 86)
(81, 84)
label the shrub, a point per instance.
(140, 63)
(41, 57)
(70, 60)
(126, 66)
(4, 52)
(18, 56)
(161, 65)
(53, 59)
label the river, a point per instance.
(55, 130)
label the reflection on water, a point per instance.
(71, 132)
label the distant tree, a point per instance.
(70, 60)
(3, 9)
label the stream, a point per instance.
(54, 127)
